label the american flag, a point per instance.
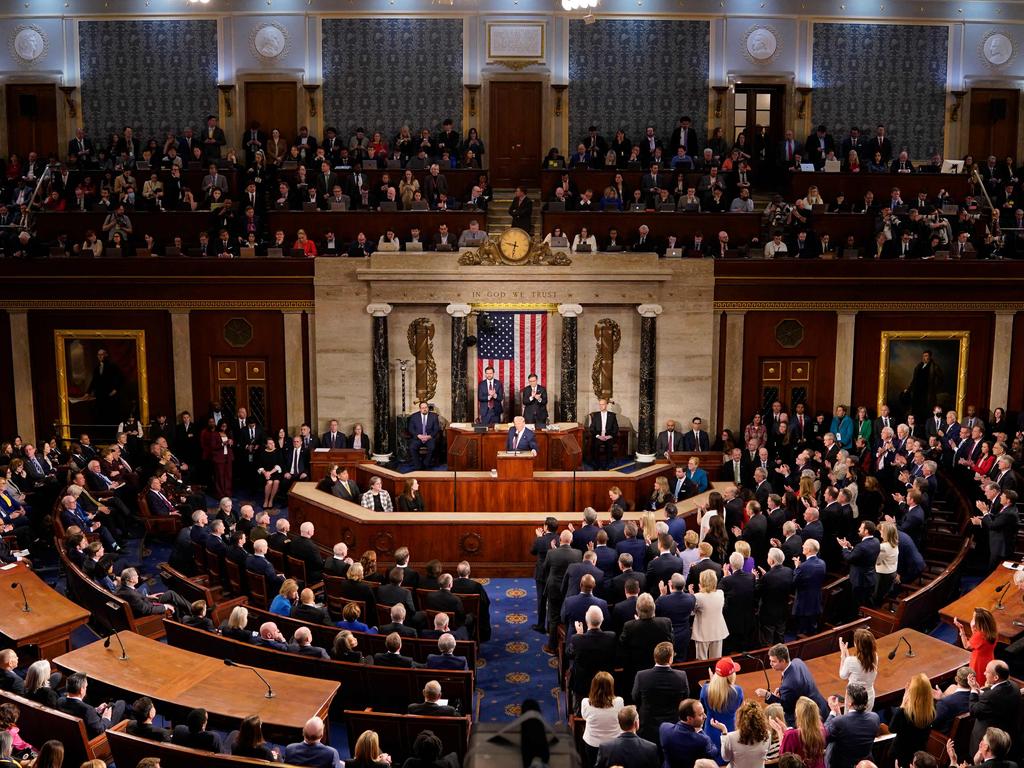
(515, 345)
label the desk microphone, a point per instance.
(1002, 588)
(270, 691)
(106, 644)
(16, 585)
(910, 648)
(767, 682)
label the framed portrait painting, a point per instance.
(101, 379)
(918, 370)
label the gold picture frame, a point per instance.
(69, 392)
(889, 344)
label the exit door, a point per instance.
(240, 382)
(788, 380)
(515, 133)
(757, 107)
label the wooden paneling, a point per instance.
(854, 185)
(272, 105)
(159, 358)
(515, 141)
(993, 129)
(817, 346)
(1016, 398)
(8, 413)
(31, 119)
(208, 344)
(868, 339)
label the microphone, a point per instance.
(16, 585)
(910, 648)
(270, 691)
(106, 644)
(767, 682)
(1002, 588)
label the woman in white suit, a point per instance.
(709, 627)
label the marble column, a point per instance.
(460, 362)
(382, 427)
(842, 389)
(732, 392)
(567, 397)
(716, 362)
(294, 392)
(181, 348)
(21, 368)
(314, 416)
(648, 370)
(1002, 346)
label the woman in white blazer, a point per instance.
(709, 627)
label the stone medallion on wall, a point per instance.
(761, 44)
(997, 49)
(29, 44)
(269, 41)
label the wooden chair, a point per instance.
(154, 525)
(470, 606)
(397, 732)
(194, 589)
(214, 568)
(297, 570)
(259, 591)
(199, 555)
(235, 577)
(128, 750)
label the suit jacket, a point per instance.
(527, 441)
(306, 550)
(677, 607)
(303, 462)
(994, 707)
(522, 213)
(265, 567)
(94, 724)
(534, 411)
(638, 639)
(446, 661)
(583, 536)
(431, 708)
(850, 738)
(490, 411)
(140, 605)
(774, 589)
(699, 442)
(661, 569)
(414, 425)
(861, 559)
(629, 751)
(656, 694)
(393, 660)
(591, 652)
(404, 631)
(321, 755)
(808, 579)
(683, 746)
(797, 681)
(740, 601)
(949, 707)
(337, 440)
(576, 571)
(312, 614)
(388, 594)
(556, 563)
(10, 681)
(1002, 531)
(611, 425)
(443, 600)
(661, 444)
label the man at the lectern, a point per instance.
(534, 398)
(520, 438)
(490, 394)
(604, 429)
(424, 428)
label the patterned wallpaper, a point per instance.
(635, 73)
(383, 73)
(153, 75)
(866, 74)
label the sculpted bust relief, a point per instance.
(29, 44)
(761, 44)
(269, 41)
(997, 49)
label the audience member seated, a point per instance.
(193, 734)
(96, 719)
(429, 705)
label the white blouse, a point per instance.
(888, 557)
(602, 724)
(851, 670)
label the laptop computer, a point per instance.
(172, 250)
(143, 253)
(296, 253)
(832, 166)
(613, 248)
(419, 205)
(112, 253)
(667, 207)
(444, 247)
(275, 253)
(57, 252)
(583, 248)
(942, 255)
(387, 206)
(195, 253)
(557, 205)
(417, 246)
(339, 205)
(851, 253)
(386, 246)
(289, 165)
(735, 253)
(807, 167)
(638, 207)
(673, 253)
(142, 166)
(310, 207)
(247, 253)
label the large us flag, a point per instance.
(515, 345)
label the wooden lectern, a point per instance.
(515, 465)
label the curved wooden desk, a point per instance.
(51, 618)
(495, 543)
(560, 449)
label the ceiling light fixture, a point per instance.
(579, 5)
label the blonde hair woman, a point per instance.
(807, 740)
(912, 722)
(772, 713)
(861, 666)
(367, 752)
(235, 626)
(887, 562)
(649, 526)
(661, 494)
(709, 627)
(721, 698)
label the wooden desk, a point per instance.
(936, 658)
(710, 461)
(854, 185)
(556, 450)
(742, 227)
(321, 460)
(49, 623)
(460, 180)
(598, 179)
(178, 681)
(985, 596)
(495, 543)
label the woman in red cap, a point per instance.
(721, 698)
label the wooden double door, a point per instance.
(32, 119)
(993, 128)
(241, 382)
(514, 149)
(272, 105)
(790, 380)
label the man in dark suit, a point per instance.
(774, 588)
(257, 563)
(429, 705)
(616, 589)
(446, 659)
(307, 610)
(697, 438)
(797, 681)
(141, 604)
(521, 211)
(521, 438)
(684, 742)
(669, 440)
(808, 579)
(861, 560)
(556, 564)
(953, 703)
(625, 609)
(740, 590)
(639, 638)
(819, 144)
(880, 143)
(490, 395)
(788, 150)
(345, 488)
(534, 400)
(105, 388)
(703, 563)
(686, 137)
(590, 650)
(443, 600)
(587, 567)
(213, 138)
(676, 604)
(996, 705)
(392, 592)
(333, 438)
(193, 734)
(296, 465)
(850, 736)
(586, 534)
(397, 623)
(575, 607)
(305, 549)
(424, 429)
(627, 749)
(1002, 528)
(657, 691)
(303, 645)
(393, 656)
(603, 428)
(661, 568)
(96, 719)
(541, 545)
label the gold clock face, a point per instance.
(514, 244)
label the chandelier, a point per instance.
(579, 5)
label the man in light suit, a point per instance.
(627, 749)
(520, 438)
(669, 440)
(604, 430)
(490, 394)
(534, 399)
(424, 428)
